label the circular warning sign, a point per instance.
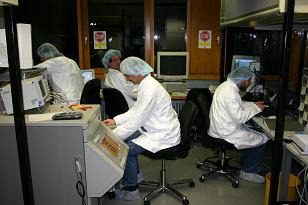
(99, 36)
(205, 36)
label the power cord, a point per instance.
(304, 191)
(79, 185)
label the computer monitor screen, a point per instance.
(245, 61)
(87, 75)
(172, 66)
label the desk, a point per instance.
(289, 152)
(259, 122)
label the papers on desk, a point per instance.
(303, 91)
(301, 143)
(301, 107)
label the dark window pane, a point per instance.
(124, 25)
(169, 25)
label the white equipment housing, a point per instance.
(35, 93)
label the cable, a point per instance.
(304, 188)
(79, 185)
(58, 96)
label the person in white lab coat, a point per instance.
(151, 124)
(115, 79)
(228, 115)
(63, 73)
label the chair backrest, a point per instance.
(91, 92)
(115, 102)
(207, 140)
(192, 96)
(186, 117)
(205, 106)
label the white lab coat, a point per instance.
(152, 110)
(228, 114)
(115, 79)
(64, 77)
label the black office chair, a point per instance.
(91, 92)
(115, 102)
(221, 165)
(199, 132)
(186, 118)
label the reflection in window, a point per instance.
(169, 26)
(124, 26)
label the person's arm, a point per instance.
(239, 111)
(49, 64)
(143, 109)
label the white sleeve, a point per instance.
(241, 112)
(135, 117)
(49, 64)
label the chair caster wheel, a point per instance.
(111, 195)
(185, 201)
(146, 202)
(191, 184)
(202, 178)
(235, 184)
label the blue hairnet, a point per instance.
(135, 66)
(108, 55)
(48, 51)
(239, 74)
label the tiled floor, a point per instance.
(214, 191)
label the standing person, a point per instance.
(63, 73)
(115, 79)
(151, 124)
(228, 115)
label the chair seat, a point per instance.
(221, 142)
(178, 151)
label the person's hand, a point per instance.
(260, 104)
(109, 122)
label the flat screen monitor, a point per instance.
(87, 75)
(247, 61)
(172, 66)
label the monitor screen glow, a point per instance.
(172, 66)
(244, 61)
(87, 75)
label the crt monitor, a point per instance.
(87, 75)
(172, 66)
(247, 61)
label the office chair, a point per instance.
(186, 118)
(91, 92)
(221, 165)
(199, 132)
(115, 102)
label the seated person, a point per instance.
(115, 79)
(63, 74)
(228, 115)
(151, 124)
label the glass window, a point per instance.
(122, 20)
(169, 25)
